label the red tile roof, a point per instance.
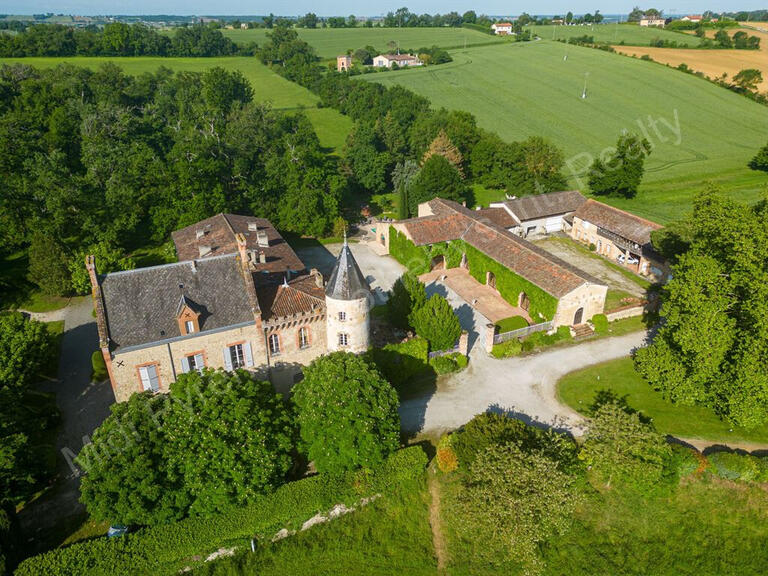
(617, 221)
(498, 216)
(301, 295)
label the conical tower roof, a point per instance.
(347, 281)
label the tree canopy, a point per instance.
(407, 296)
(436, 321)
(437, 178)
(347, 413)
(622, 173)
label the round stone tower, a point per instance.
(347, 303)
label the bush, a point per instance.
(165, 549)
(449, 363)
(542, 339)
(507, 349)
(600, 322)
(446, 455)
(99, 367)
(684, 461)
(511, 323)
(733, 466)
(437, 322)
(592, 247)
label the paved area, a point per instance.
(470, 318)
(524, 387)
(569, 251)
(83, 406)
(380, 271)
(480, 296)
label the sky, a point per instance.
(342, 7)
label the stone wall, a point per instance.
(356, 323)
(286, 367)
(627, 312)
(590, 297)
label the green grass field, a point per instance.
(526, 89)
(332, 128)
(578, 390)
(630, 34)
(330, 42)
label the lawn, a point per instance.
(332, 127)
(16, 292)
(578, 390)
(526, 89)
(390, 536)
(629, 34)
(330, 42)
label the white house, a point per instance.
(387, 60)
(502, 28)
(653, 21)
(696, 18)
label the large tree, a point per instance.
(406, 297)
(621, 174)
(760, 160)
(436, 321)
(347, 413)
(437, 178)
(712, 344)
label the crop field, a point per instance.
(330, 42)
(629, 34)
(332, 127)
(700, 132)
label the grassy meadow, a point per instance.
(331, 126)
(700, 132)
(330, 42)
(579, 388)
(629, 34)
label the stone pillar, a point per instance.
(464, 343)
(490, 331)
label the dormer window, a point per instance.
(187, 316)
(190, 326)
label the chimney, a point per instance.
(204, 250)
(90, 265)
(262, 257)
(317, 276)
(262, 239)
(241, 248)
(199, 234)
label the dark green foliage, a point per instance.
(402, 362)
(748, 79)
(718, 290)
(621, 174)
(347, 413)
(24, 348)
(437, 178)
(734, 466)
(437, 322)
(108, 259)
(49, 265)
(407, 296)
(414, 258)
(760, 160)
(600, 322)
(99, 367)
(449, 363)
(164, 550)
(684, 461)
(217, 440)
(673, 240)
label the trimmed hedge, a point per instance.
(600, 322)
(449, 363)
(511, 323)
(168, 548)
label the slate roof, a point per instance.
(617, 221)
(301, 295)
(218, 234)
(347, 281)
(141, 305)
(550, 273)
(544, 205)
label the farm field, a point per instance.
(330, 42)
(630, 34)
(332, 127)
(703, 133)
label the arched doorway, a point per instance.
(523, 302)
(490, 280)
(438, 263)
(578, 318)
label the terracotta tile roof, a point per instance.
(216, 236)
(498, 216)
(617, 221)
(301, 295)
(543, 205)
(453, 221)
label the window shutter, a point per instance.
(248, 354)
(227, 359)
(144, 375)
(199, 362)
(184, 364)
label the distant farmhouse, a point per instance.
(343, 63)
(239, 297)
(652, 21)
(502, 28)
(387, 60)
(695, 18)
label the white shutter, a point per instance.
(227, 359)
(199, 362)
(146, 384)
(248, 354)
(184, 364)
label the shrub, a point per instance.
(542, 339)
(99, 367)
(402, 362)
(446, 455)
(600, 322)
(405, 298)
(684, 461)
(592, 247)
(165, 549)
(437, 322)
(733, 466)
(448, 363)
(512, 323)
(507, 349)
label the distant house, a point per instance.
(243, 25)
(343, 63)
(538, 214)
(619, 236)
(653, 21)
(387, 60)
(502, 28)
(696, 18)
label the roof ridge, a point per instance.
(196, 261)
(615, 209)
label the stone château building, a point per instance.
(239, 297)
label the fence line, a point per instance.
(437, 353)
(521, 332)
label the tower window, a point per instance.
(303, 337)
(343, 339)
(274, 344)
(342, 316)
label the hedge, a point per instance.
(511, 323)
(418, 258)
(600, 322)
(449, 363)
(168, 548)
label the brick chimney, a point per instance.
(242, 249)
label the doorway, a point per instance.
(578, 317)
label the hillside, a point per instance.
(629, 34)
(522, 90)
